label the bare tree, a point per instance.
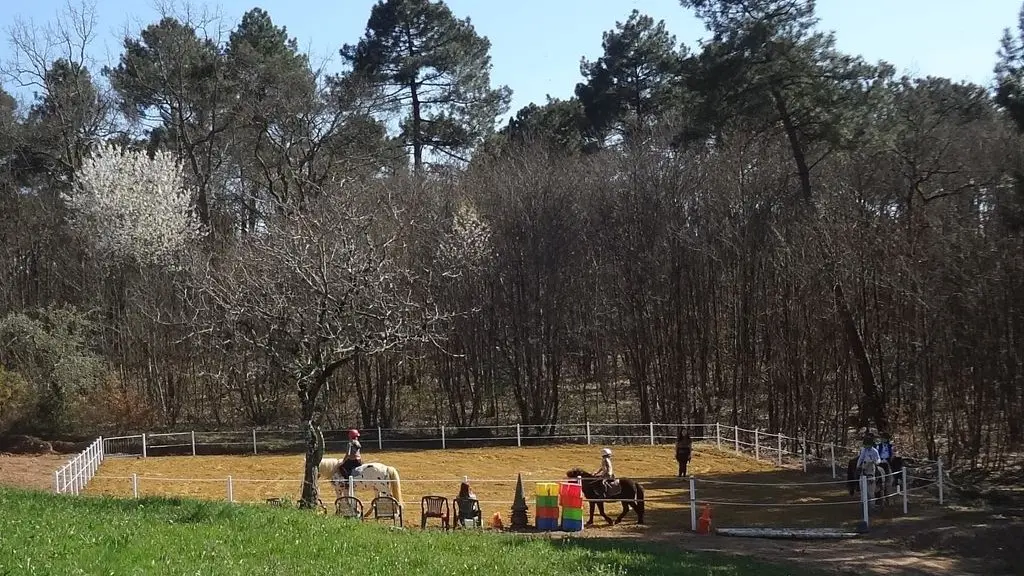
(315, 290)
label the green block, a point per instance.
(547, 501)
(572, 513)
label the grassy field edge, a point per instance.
(51, 534)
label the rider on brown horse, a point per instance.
(611, 485)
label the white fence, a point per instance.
(826, 493)
(72, 477)
(762, 445)
(776, 448)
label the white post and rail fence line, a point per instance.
(753, 440)
(864, 502)
(144, 444)
(860, 507)
(73, 476)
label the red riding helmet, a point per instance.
(353, 434)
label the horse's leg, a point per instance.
(591, 521)
(625, 509)
(600, 507)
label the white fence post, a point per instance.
(832, 453)
(193, 442)
(56, 481)
(718, 435)
(143, 445)
(443, 445)
(903, 471)
(864, 500)
(380, 439)
(231, 490)
(757, 444)
(779, 454)
(939, 464)
(351, 487)
(254, 441)
(693, 504)
(588, 432)
(135, 485)
(519, 435)
(652, 433)
(803, 452)
(736, 438)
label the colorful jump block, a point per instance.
(548, 513)
(549, 524)
(572, 525)
(547, 501)
(572, 502)
(546, 489)
(569, 490)
(572, 514)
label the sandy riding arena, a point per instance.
(731, 482)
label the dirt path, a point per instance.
(962, 541)
(30, 471)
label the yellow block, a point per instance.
(546, 489)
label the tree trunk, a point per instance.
(874, 409)
(314, 454)
(308, 396)
(417, 131)
(802, 169)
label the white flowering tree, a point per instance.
(133, 207)
(467, 245)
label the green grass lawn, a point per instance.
(61, 535)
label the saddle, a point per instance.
(612, 487)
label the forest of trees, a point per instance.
(212, 231)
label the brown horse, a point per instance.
(630, 495)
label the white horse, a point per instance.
(382, 478)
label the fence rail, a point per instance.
(775, 447)
(72, 477)
(762, 445)
(690, 487)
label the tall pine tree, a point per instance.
(436, 69)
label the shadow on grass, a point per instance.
(654, 559)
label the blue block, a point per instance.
(547, 523)
(569, 525)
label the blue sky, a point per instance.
(537, 44)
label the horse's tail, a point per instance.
(326, 467)
(397, 482)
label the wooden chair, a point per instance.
(468, 509)
(435, 507)
(387, 508)
(348, 507)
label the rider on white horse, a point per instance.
(867, 461)
(868, 453)
(353, 457)
(607, 472)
